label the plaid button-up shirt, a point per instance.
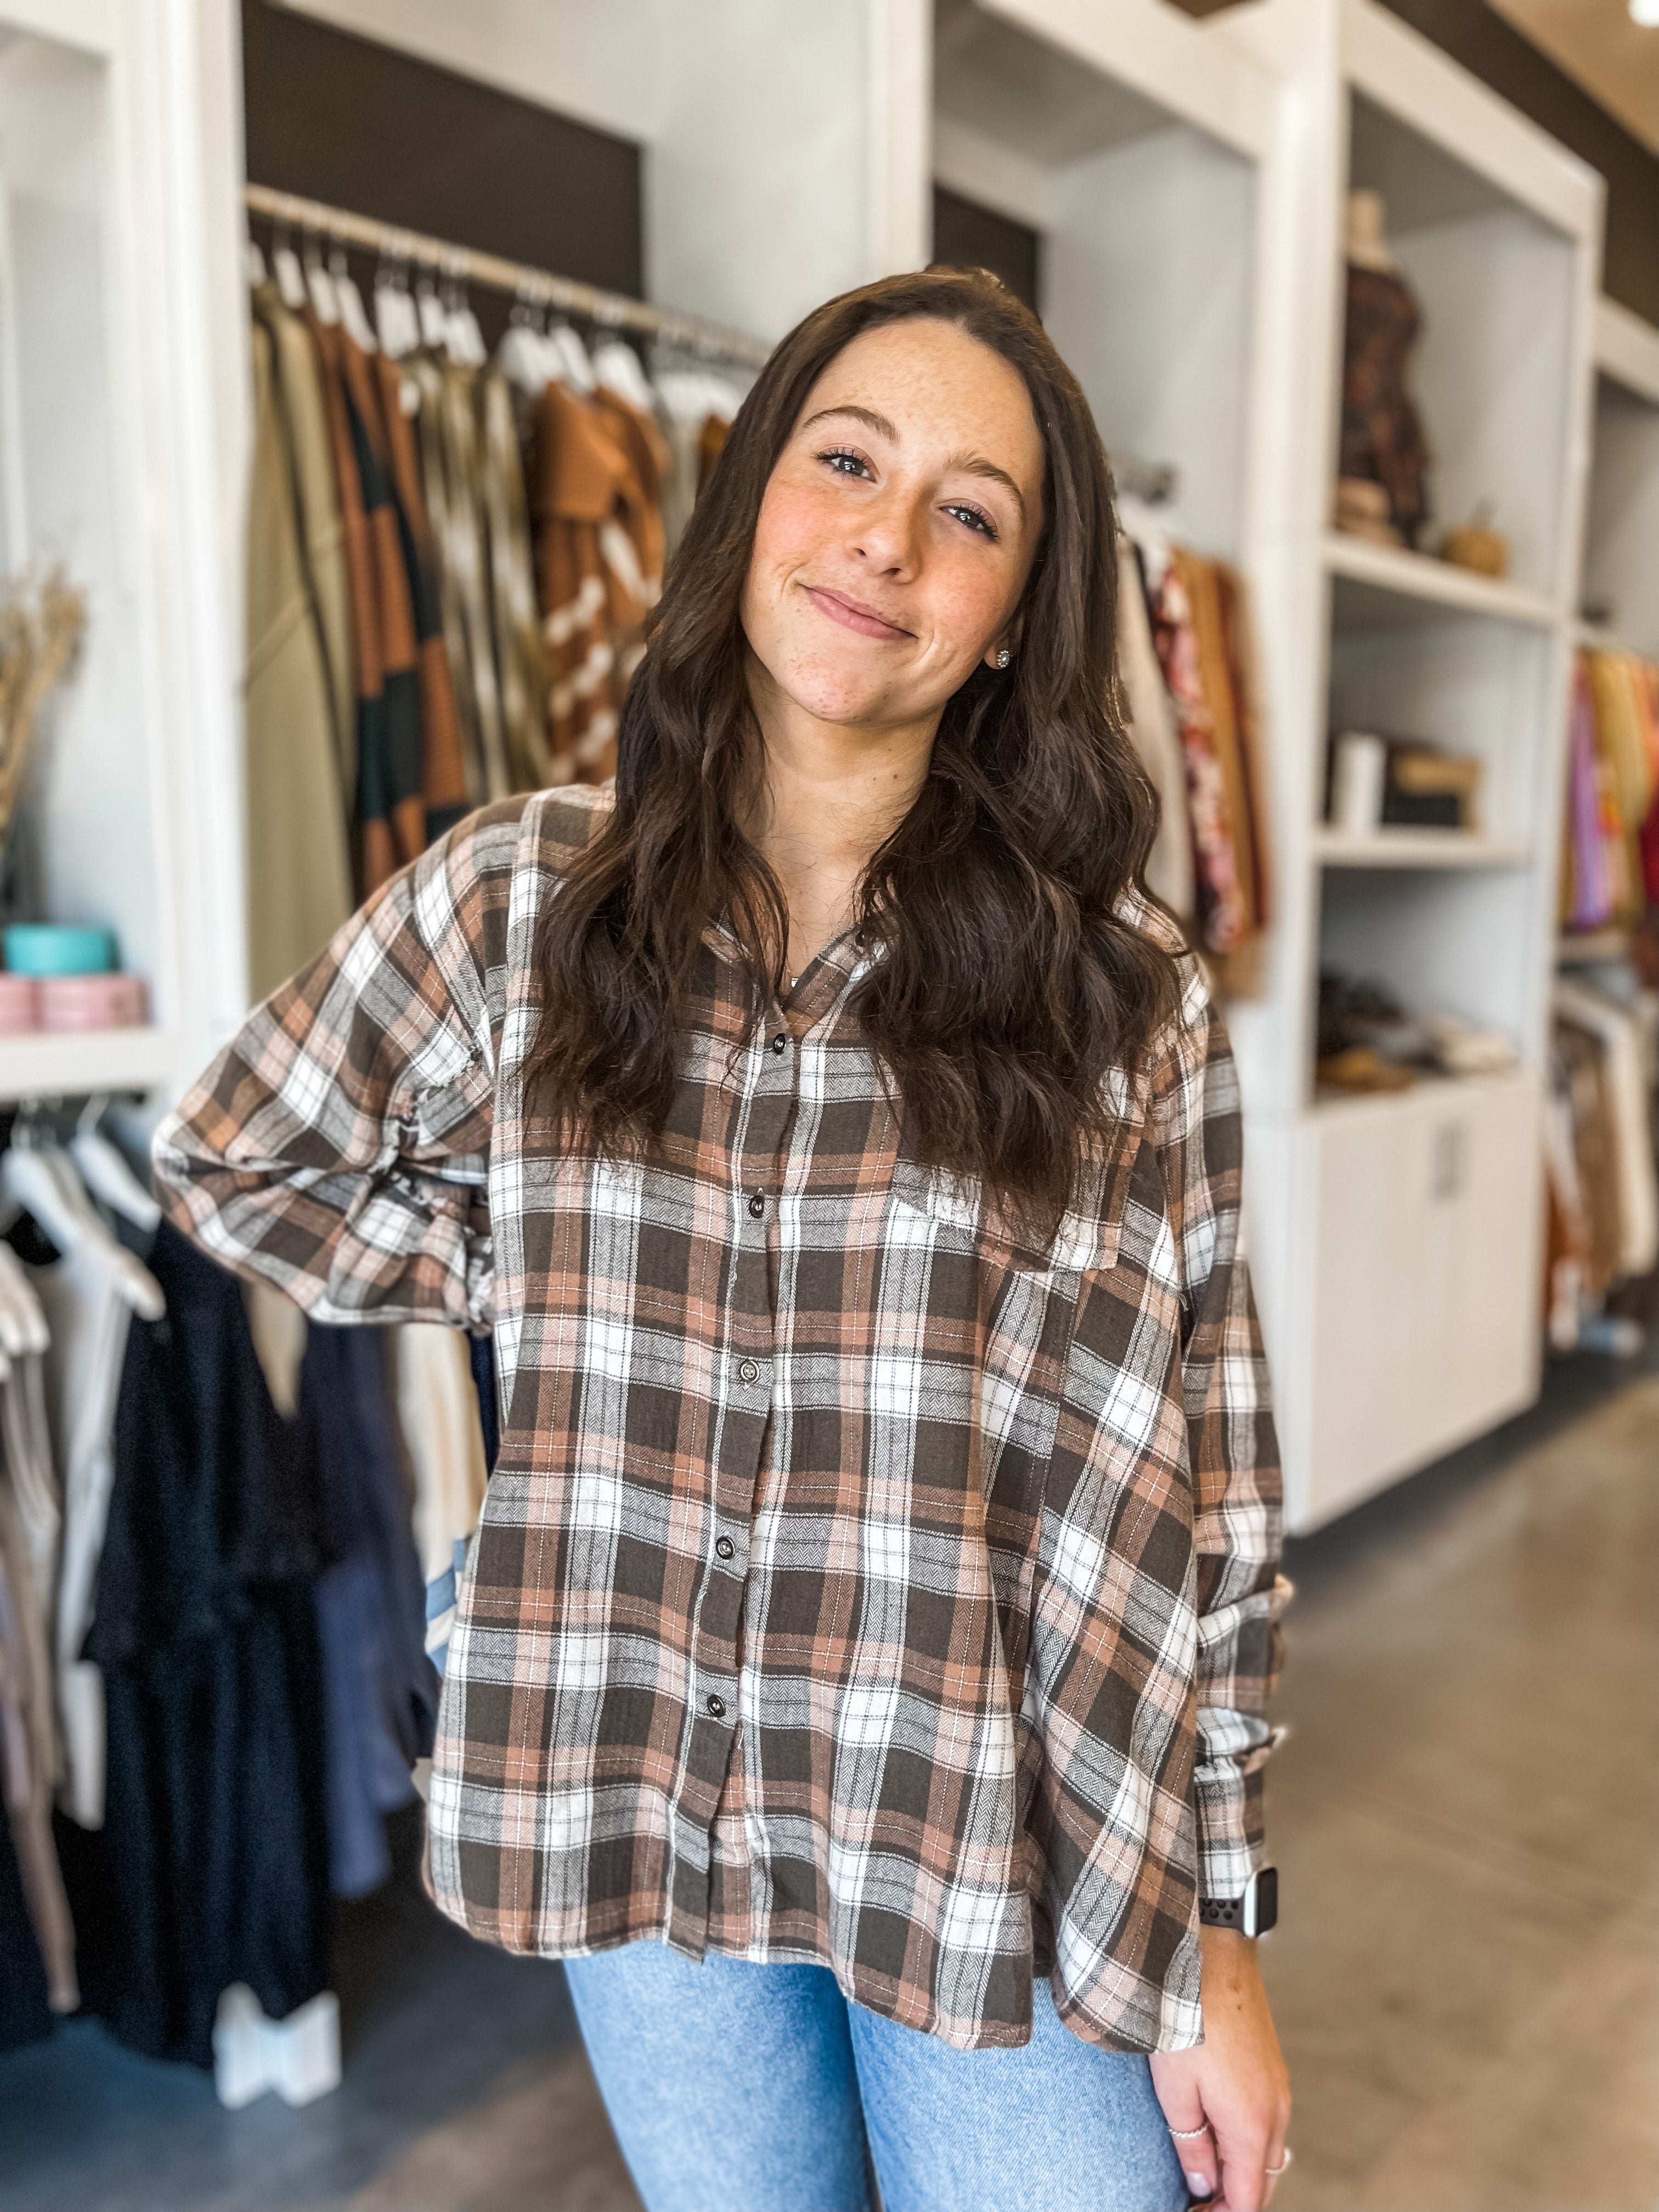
(855, 1585)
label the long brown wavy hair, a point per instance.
(1007, 987)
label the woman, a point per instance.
(875, 1600)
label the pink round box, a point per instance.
(19, 1004)
(92, 1002)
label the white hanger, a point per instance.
(1149, 527)
(256, 263)
(43, 1181)
(396, 323)
(108, 1176)
(616, 366)
(290, 277)
(523, 360)
(432, 316)
(575, 369)
(320, 286)
(22, 1324)
(351, 303)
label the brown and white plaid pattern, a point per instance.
(855, 1585)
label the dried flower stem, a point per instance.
(40, 631)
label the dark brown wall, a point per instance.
(968, 236)
(1494, 50)
(363, 127)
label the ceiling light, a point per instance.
(1646, 13)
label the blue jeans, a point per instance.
(734, 2087)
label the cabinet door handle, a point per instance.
(1446, 1177)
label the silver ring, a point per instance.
(1186, 2134)
(1290, 2160)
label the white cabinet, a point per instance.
(1397, 1236)
(1422, 1317)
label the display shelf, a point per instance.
(1584, 948)
(122, 409)
(84, 1063)
(1621, 531)
(1395, 1237)
(1383, 1107)
(1129, 141)
(1484, 239)
(1416, 848)
(1466, 683)
(1399, 584)
(1437, 939)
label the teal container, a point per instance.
(59, 948)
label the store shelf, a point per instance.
(1590, 945)
(1416, 848)
(76, 1065)
(1396, 576)
(1427, 1094)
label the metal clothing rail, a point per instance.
(496, 274)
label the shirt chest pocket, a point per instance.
(954, 1213)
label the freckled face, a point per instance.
(897, 528)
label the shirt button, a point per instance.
(757, 1205)
(749, 1372)
(780, 1044)
(725, 1546)
(716, 1706)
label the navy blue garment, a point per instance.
(214, 1849)
(381, 1688)
(482, 1350)
(25, 2016)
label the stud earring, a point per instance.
(1003, 658)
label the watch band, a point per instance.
(1252, 1914)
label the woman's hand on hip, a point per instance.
(1233, 2088)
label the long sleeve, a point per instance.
(337, 1146)
(1232, 1448)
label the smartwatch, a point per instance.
(1252, 1914)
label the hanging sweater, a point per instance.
(596, 529)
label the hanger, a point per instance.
(285, 268)
(396, 322)
(22, 1324)
(574, 368)
(42, 1181)
(255, 259)
(521, 355)
(320, 285)
(617, 367)
(349, 301)
(107, 1175)
(463, 340)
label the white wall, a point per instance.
(764, 189)
(600, 61)
(786, 155)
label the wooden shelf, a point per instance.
(1391, 571)
(1416, 848)
(75, 1064)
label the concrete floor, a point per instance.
(1466, 1818)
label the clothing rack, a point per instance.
(465, 263)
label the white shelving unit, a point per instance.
(1397, 1237)
(120, 414)
(1132, 143)
(1621, 535)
